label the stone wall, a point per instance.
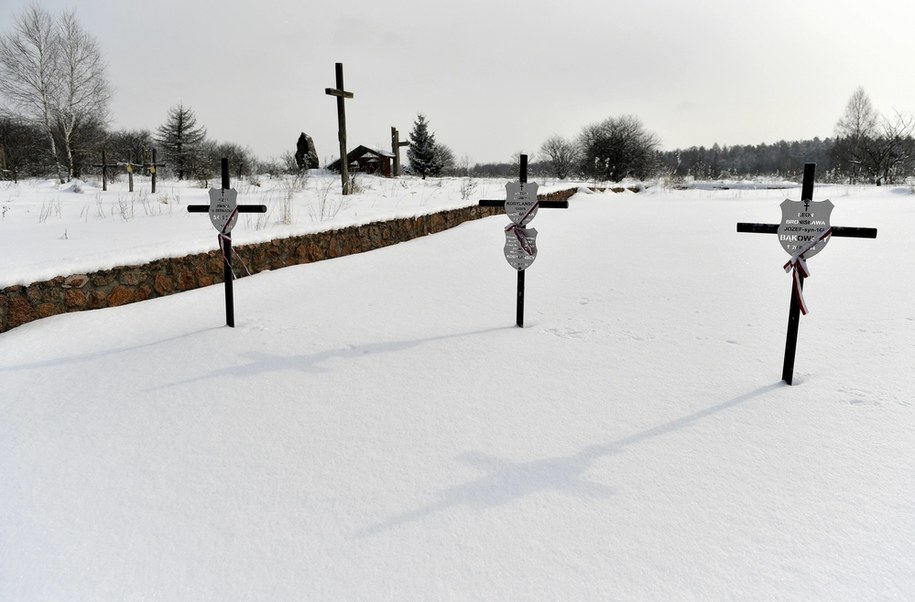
(128, 284)
(118, 286)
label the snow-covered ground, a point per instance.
(50, 230)
(375, 427)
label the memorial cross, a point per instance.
(395, 149)
(520, 249)
(130, 165)
(151, 169)
(802, 237)
(224, 210)
(341, 95)
(104, 165)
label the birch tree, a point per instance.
(29, 71)
(52, 72)
(84, 92)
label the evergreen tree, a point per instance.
(424, 159)
(180, 136)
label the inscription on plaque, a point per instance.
(520, 247)
(803, 222)
(223, 209)
(520, 202)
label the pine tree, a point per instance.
(179, 136)
(424, 160)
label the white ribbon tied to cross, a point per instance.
(797, 265)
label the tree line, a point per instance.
(55, 110)
(867, 148)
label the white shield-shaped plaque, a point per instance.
(520, 202)
(803, 222)
(223, 209)
(520, 247)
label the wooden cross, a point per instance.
(341, 95)
(151, 169)
(794, 312)
(104, 165)
(225, 238)
(519, 306)
(395, 148)
(130, 165)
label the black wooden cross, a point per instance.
(225, 239)
(151, 169)
(341, 95)
(104, 165)
(519, 307)
(395, 148)
(794, 312)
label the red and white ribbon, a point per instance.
(522, 239)
(797, 265)
(529, 211)
(518, 229)
(225, 240)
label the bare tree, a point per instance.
(616, 148)
(855, 131)
(444, 158)
(891, 152)
(129, 145)
(85, 92)
(561, 156)
(870, 146)
(52, 71)
(30, 69)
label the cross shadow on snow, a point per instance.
(257, 362)
(504, 481)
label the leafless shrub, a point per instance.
(48, 209)
(468, 187)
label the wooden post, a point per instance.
(341, 95)
(151, 168)
(104, 165)
(130, 165)
(519, 309)
(395, 149)
(228, 275)
(794, 309)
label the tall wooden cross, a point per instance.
(341, 95)
(395, 149)
(104, 165)
(151, 167)
(517, 228)
(224, 211)
(806, 244)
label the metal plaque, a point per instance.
(520, 247)
(802, 222)
(520, 202)
(223, 209)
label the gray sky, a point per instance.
(497, 77)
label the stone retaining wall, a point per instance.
(118, 286)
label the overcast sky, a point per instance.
(496, 77)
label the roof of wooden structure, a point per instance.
(360, 152)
